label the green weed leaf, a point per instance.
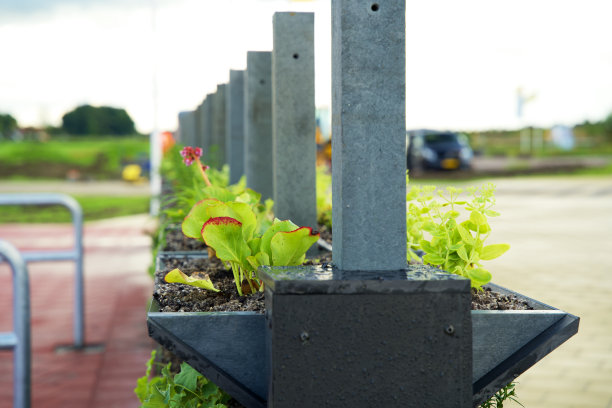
(198, 215)
(224, 235)
(199, 281)
(277, 226)
(254, 244)
(260, 259)
(289, 248)
(246, 216)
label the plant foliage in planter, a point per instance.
(186, 389)
(229, 348)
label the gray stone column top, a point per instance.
(369, 134)
(258, 123)
(294, 120)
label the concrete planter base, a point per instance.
(230, 348)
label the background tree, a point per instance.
(7, 125)
(607, 125)
(103, 120)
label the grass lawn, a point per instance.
(94, 208)
(96, 157)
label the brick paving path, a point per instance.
(117, 287)
(560, 232)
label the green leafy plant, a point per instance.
(187, 389)
(208, 183)
(435, 227)
(233, 230)
(497, 400)
(240, 230)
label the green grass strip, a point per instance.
(94, 208)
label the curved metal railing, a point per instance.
(75, 254)
(19, 339)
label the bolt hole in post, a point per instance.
(375, 7)
(450, 330)
(262, 81)
(296, 56)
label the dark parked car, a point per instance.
(435, 150)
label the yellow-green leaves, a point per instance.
(493, 251)
(212, 208)
(278, 226)
(478, 276)
(283, 244)
(260, 259)
(219, 193)
(198, 215)
(198, 280)
(454, 245)
(477, 218)
(224, 235)
(289, 248)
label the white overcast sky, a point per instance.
(465, 58)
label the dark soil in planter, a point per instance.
(176, 297)
(488, 300)
(177, 241)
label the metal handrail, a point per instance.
(19, 339)
(75, 254)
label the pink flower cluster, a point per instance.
(190, 154)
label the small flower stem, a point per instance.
(202, 172)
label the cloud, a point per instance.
(10, 9)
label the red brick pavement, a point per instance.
(117, 254)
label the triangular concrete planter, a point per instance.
(506, 343)
(230, 348)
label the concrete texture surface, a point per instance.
(369, 142)
(560, 232)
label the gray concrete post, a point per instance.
(207, 127)
(368, 134)
(218, 126)
(198, 125)
(293, 118)
(234, 149)
(258, 123)
(187, 127)
(211, 152)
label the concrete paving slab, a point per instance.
(559, 229)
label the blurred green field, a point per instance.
(97, 158)
(94, 208)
